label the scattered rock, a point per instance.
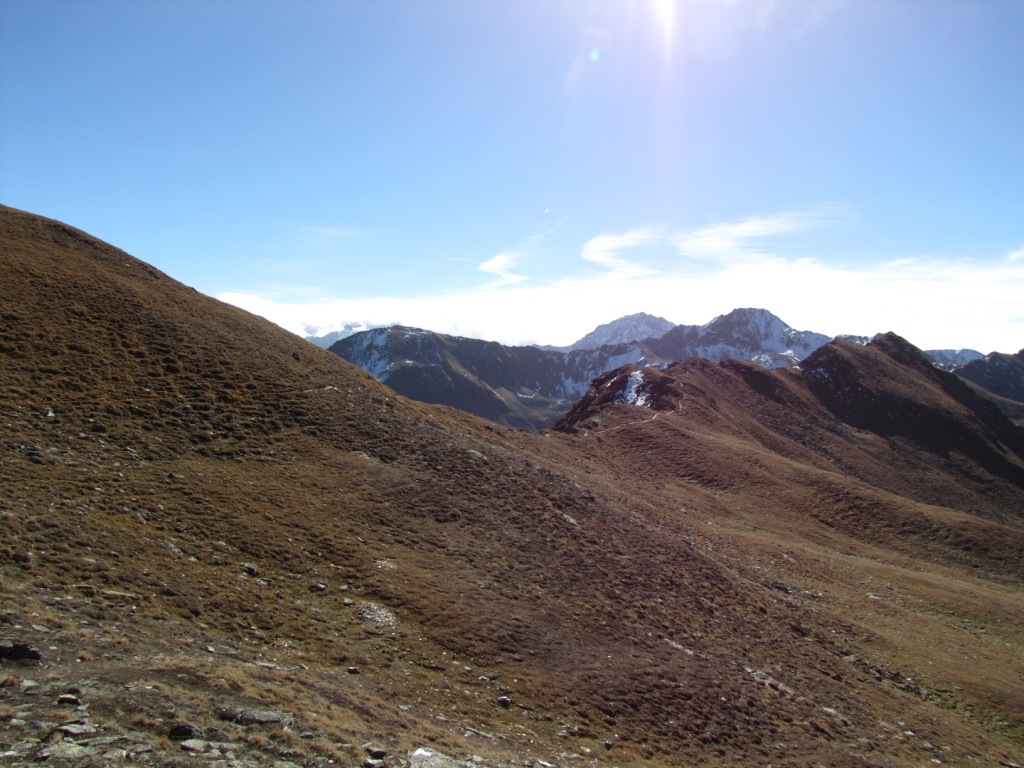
(65, 750)
(78, 729)
(425, 757)
(184, 732)
(250, 568)
(505, 701)
(101, 741)
(19, 652)
(69, 699)
(194, 745)
(377, 616)
(375, 752)
(260, 717)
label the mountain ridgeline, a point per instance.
(532, 387)
(223, 544)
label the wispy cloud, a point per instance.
(1016, 256)
(741, 240)
(501, 265)
(603, 250)
(326, 237)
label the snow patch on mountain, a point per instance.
(634, 394)
(374, 352)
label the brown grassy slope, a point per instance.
(833, 512)
(196, 500)
(1012, 409)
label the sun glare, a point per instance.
(664, 17)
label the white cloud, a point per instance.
(501, 265)
(740, 239)
(933, 303)
(603, 250)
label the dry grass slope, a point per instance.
(204, 516)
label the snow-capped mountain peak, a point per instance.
(625, 330)
(325, 336)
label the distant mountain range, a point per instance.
(531, 387)
(999, 373)
(343, 332)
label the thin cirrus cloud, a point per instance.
(742, 240)
(326, 237)
(603, 250)
(501, 265)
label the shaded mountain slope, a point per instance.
(522, 387)
(952, 359)
(888, 422)
(999, 373)
(205, 516)
(891, 389)
(890, 510)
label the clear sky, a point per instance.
(524, 170)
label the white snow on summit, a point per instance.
(625, 330)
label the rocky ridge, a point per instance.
(531, 388)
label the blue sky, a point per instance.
(523, 171)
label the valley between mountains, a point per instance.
(223, 545)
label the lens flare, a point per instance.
(664, 17)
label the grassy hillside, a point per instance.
(205, 517)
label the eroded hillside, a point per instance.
(205, 518)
